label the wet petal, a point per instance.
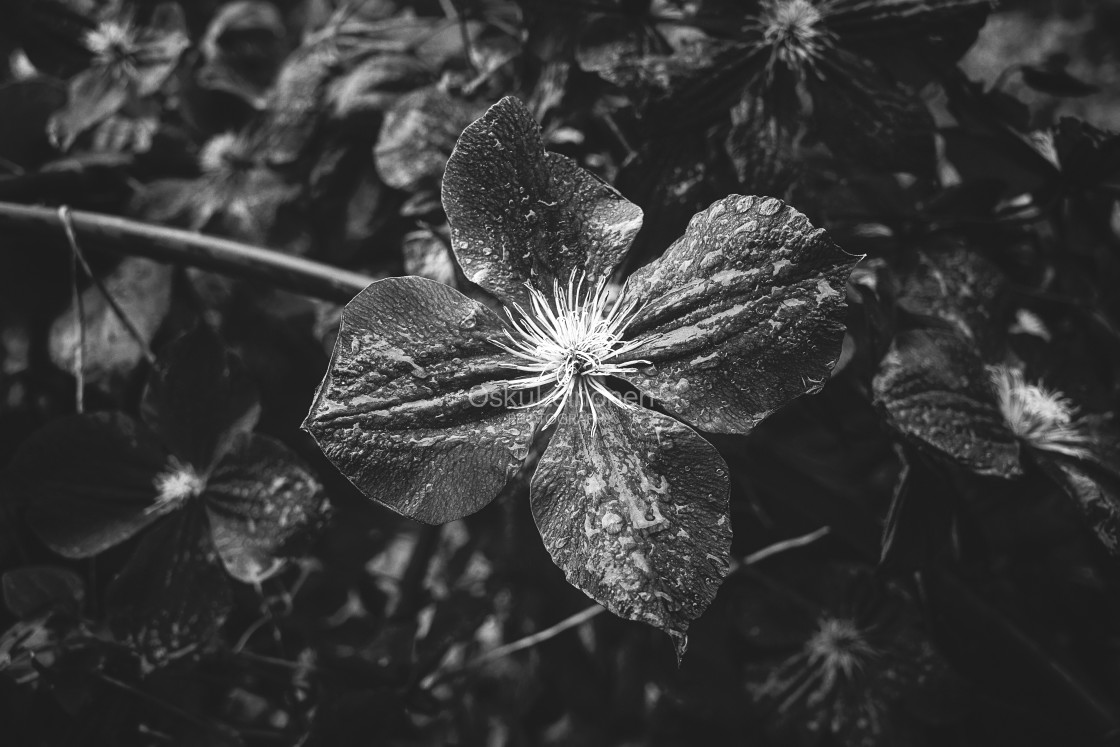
(636, 514)
(173, 595)
(259, 498)
(89, 481)
(744, 312)
(1094, 488)
(199, 398)
(935, 389)
(518, 213)
(412, 409)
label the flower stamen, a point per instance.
(1043, 418)
(570, 343)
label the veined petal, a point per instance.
(413, 409)
(743, 313)
(635, 514)
(260, 497)
(520, 214)
(89, 481)
(935, 389)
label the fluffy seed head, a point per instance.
(1043, 418)
(568, 344)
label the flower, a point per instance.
(432, 400)
(130, 62)
(783, 63)
(838, 657)
(192, 475)
(1041, 417)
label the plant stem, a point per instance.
(134, 238)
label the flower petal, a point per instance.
(259, 498)
(89, 480)
(519, 214)
(636, 514)
(199, 398)
(744, 312)
(871, 121)
(935, 389)
(173, 595)
(412, 409)
(1094, 488)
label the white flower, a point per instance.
(1041, 417)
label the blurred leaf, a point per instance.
(1056, 81)
(34, 590)
(417, 136)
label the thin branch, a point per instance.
(134, 238)
(64, 216)
(789, 544)
(80, 323)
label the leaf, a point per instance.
(199, 398)
(89, 481)
(173, 595)
(94, 95)
(142, 289)
(868, 120)
(636, 515)
(919, 521)
(417, 136)
(158, 48)
(519, 214)
(934, 388)
(37, 589)
(743, 313)
(414, 408)
(259, 498)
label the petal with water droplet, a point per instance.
(743, 313)
(259, 499)
(518, 213)
(644, 530)
(934, 388)
(413, 409)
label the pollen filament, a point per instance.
(570, 343)
(1042, 417)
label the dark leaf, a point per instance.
(23, 138)
(519, 214)
(173, 595)
(920, 517)
(90, 481)
(743, 313)
(635, 513)
(199, 398)
(935, 389)
(414, 409)
(34, 590)
(259, 498)
(417, 136)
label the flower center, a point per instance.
(839, 647)
(175, 486)
(111, 41)
(569, 343)
(1042, 417)
(792, 29)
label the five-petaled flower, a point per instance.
(206, 492)
(741, 314)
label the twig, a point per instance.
(64, 216)
(133, 238)
(80, 322)
(790, 544)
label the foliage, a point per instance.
(786, 328)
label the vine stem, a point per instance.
(134, 238)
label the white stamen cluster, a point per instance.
(1042, 417)
(793, 32)
(174, 486)
(570, 343)
(111, 41)
(838, 648)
